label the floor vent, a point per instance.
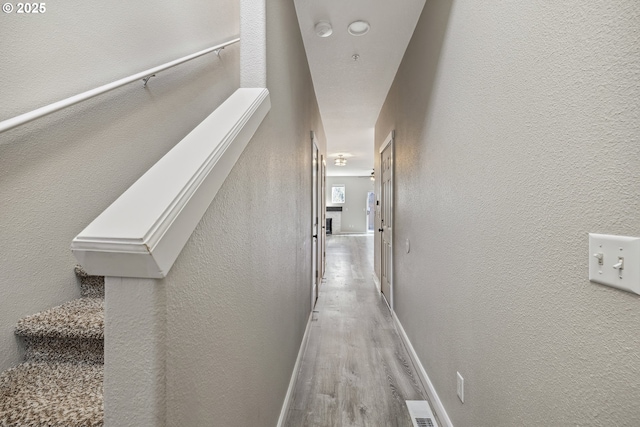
(421, 414)
(424, 422)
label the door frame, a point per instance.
(389, 141)
(315, 226)
(323, 217)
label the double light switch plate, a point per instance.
(615, 261)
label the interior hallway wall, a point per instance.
(238, 297)
(518, 129)
(58, 173)
(354, 210)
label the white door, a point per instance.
(314, 222)
(386, 221)
(322, 199)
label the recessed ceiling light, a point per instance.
(323, 29)
(359, 28)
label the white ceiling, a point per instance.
(351, 93)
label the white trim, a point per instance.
(422, 373)
(315, 218)
(377, 282)
(294, 376)
(387, 141)
(393, 220)
(142, 233)
(386, 301)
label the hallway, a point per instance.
(355, 371)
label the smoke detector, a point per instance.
(323, 29)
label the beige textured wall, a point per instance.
(238, 297)
(59, 173)
(518, 129)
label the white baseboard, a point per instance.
(426, 381)
(294, 376)
(377, 282)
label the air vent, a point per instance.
(424, 422)
(421, 414)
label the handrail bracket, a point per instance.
(146, 80)
(14, 122)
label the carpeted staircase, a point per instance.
(60, 382)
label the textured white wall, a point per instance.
(238, 297)
(253, 57)
(518, 129)
(135, 352)
(59, 173)
(353, 218)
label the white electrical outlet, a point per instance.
(460, 387)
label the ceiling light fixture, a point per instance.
(373, 176)
(323, 29)
(355, 57)
(359, 28)
(340, 161)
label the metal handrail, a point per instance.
(68, 102)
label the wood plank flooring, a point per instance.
(355, 371)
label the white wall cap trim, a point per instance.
(142, 233)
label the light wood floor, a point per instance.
(355, 371)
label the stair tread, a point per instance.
(79, 318)
(52, 394)
(91, 286)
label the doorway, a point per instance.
(314, 221)
(323, 218)
(318, 218)
(371, 206)
(386, 219)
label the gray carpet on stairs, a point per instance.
(52, 394)
(90, 286)
(60, 382)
